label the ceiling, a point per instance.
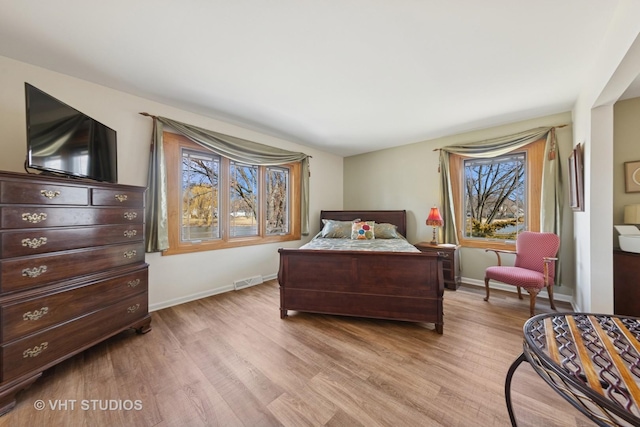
(345, 76)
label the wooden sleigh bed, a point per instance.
(405, 286)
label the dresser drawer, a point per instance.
(38, 241)
(16, 192)
(25, 317)
(37, 350)
(107, 197)
(36, 216)
(28, 272)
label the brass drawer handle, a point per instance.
(133, 308)
(35, 351)
(133, 283)
(34, 218)
(50, 194)
(443, 254)
(130, 254)
(35, 314)
(34, 272)
(130, 215)
(34, 243)
(121, 197)
(130, 233)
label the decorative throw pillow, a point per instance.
(334, 229)
(363, 230)
(386, 231)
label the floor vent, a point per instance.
(245, 283)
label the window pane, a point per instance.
(200, 196)
(495, 197)
(277, 200)
(244, 200)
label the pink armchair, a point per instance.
(534, 267)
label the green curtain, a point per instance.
(236, 149)
(156, 227)
(551, 198)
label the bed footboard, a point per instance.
(383, 285)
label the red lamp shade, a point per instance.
(434, 219)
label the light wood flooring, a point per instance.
(229, 360)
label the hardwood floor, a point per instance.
(229, 360)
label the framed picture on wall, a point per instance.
(576, 179)
(632, 176)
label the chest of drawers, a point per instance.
(72, 272)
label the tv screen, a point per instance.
(62, 140)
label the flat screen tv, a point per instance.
(62, 140)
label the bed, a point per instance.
(359, 279)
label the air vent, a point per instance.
(245, 283)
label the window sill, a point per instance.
(488, 244)
(187, 248)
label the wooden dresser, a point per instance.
(626, 283)
(72, 272)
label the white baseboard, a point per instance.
(200, 295)
(227, 288)
(543, 293)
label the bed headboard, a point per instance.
(398, 217)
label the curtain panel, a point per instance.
(236, 149)
(551, 197)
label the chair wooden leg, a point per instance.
(519, 292)
(550, 291)
(532, 301)
(486, 286)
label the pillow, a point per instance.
(363, 230)
(386, 231)
(334, 229)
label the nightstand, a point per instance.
(450, 262)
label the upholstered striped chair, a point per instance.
(534, 267)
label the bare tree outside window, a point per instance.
(277, 200)
(214, 202)
(200, 196)
(243, 200)
(495, 197)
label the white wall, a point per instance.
(177, 278)
(615, 67)
(627, 148)
(598, 213)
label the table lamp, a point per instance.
(434, 220)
